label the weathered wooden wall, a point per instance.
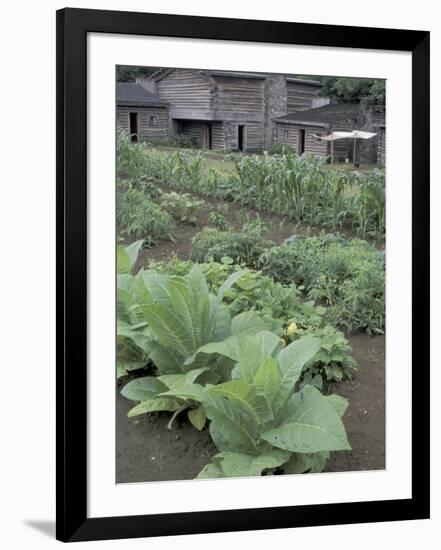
(187, 89)
(299, 98)
(289, 134)
(253, 137)
(218, 135)
(193, 130)
(240, 95)
(145, 131)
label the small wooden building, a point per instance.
(300, 130)
(143, 114)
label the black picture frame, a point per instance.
(71, 428)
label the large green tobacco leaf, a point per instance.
(126, 257)
(267, 381)
(249, 350)
(210, 471)
(232, 426)
(242, 465)
(168, 329)
(300, 463)
(309, 424)
(291, 361)
(156, 404)
(197, 417)
(246, 395)
(143, 389)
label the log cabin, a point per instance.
(301, 130)
(243, 111)
(142, 114)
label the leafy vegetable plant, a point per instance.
(258, 421)
(139, 217)
(182, 207)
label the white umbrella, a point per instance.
(355, 134)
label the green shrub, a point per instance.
(140, 218)
(333, 362)
(223, 368)
(281, 149)
(244, 247)
(346, 275)
(179, 140)
(182, 206)
(218, 220)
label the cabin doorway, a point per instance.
(301, 148)
(133, 120)
(241, 137)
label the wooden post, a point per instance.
(354, 153)
(332, 150)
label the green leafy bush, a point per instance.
(259, 423)
(131, 159)
(281, 149)
(218, 220)
(179, 140)
(182, 206)
(244, 247)
(168, 318)
(139, 217)
(333, 362)
(346, 275)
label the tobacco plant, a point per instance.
(258, 422)
(182, 206)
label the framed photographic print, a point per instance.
(242, 275)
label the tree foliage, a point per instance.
(351, 90)
(129, 73)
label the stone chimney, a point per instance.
(367, 148)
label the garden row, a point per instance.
(301, 188)
(242, 336)
(221, 344)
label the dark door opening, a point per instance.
(133, 126)
(240, 137)
(210, 136)
(301, 148)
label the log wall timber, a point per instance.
(152, 121)
(314, 145)
(218, 135)
(299, 98)
(289, 134)
(243, 95)
(193, 130)
(186, 89)
(253, 137)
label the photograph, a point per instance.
(250, 246)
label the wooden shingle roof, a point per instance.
(131, 94)
(334, 112)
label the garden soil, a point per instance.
(146, 450)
